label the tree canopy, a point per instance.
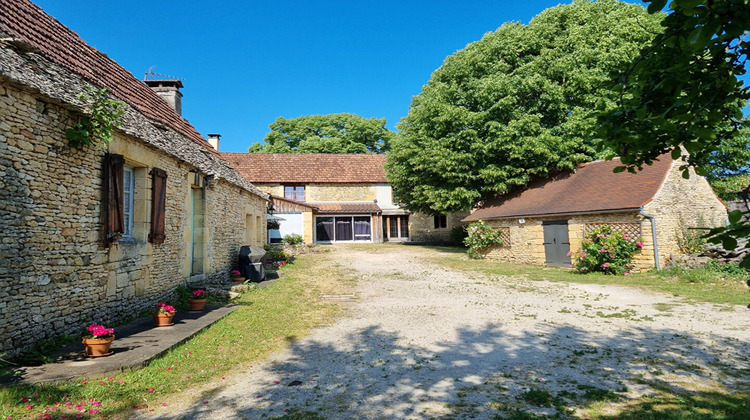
(332, 133)
(515, 105)
(684, 91)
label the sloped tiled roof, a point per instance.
(23, 20)
(347, 207)
(283, 205)
(308, 167)
(593, 188)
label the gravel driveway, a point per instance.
(423, 342)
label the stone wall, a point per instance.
(55, 274)
(422, 227)
(681, 204)
(339, 192)
(327, 192)
(527, 239)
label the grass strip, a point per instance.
(699, 285)
(266, 322)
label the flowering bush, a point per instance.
(276, 256)
(606, 251)
(98, 331)
(163, 308)
(235, 274)
(199, 294)
(275, 264)
(480, 238)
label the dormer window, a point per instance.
(294, 192)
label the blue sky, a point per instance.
(245, 63)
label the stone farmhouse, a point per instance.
(329, 198)
(544, 222)
(104, 232)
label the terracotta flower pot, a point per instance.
(163, 320)
(97, 347)
(196, 304)
(238, 279)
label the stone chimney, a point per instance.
(213, 140)
(169, 90)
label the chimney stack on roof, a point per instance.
(169, 90)
(213, 140)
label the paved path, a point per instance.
(135, 345)
(425, 342)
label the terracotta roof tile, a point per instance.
(308, 167)
(347, 207)
(593, 188)
(24, 20)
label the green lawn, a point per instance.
(269, 319)
(697, 285)
(266, 322)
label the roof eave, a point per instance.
(574, 213)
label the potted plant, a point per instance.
(198, 300)
(97, 340)
(236, 276)
(163, 315)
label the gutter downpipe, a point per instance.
(653, 234)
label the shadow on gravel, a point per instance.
(485, 373)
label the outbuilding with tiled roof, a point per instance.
(544, 222)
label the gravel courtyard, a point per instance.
(421, 342)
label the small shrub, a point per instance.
(480, 237)
(606, 251)
(731, 271)
(458, 234)
(276, 256)
(293, 239)
(691, 240)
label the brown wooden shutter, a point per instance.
(158, 204)
(113, 218)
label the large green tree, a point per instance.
(684, 92)
(332, 133)
(515, 105)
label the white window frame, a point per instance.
(128, 202)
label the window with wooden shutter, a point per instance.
(113, 211)
(158, 205)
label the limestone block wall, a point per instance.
(327, 192)
(526, 242)
(527, 239)
(340, 192)
(422, 227)
(234, 218)
(308, 227)
(56, 276)
(683, 203)
(273, 189)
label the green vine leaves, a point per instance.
(97, 127)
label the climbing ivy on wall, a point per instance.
(97, 127)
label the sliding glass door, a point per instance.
(343, 228)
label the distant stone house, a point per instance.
(544, 222)
(338, 198)
(102, 233)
